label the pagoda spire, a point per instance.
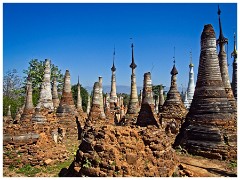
(113, 66)
(113, 93)
(234, 53)
(222, 57)
(221, 40)
(133, 65)
(133, 106)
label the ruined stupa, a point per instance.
(222, 56)
(8, 118)
(79, 98)
(95, 111)
(100, 79)
(45, 104)
(45, 100)
(133, 106)
(161, 98)
(210, 126)
(55, 98)
(28, 107)
(173, 106)
(234, 73)
(147, 115)
(66, 105)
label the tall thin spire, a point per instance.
(113, 92)
(78, 80)
(221, 40)
(222, 57)
(133, 106)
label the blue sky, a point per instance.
(81, 37)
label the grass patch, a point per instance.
(28, 170)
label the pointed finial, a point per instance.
(219, 11)
(234, 53)
(78, 80)
(133, 65)
(174, 61)
(191, 64)
(113, 66)
(221, 40)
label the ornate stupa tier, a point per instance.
(210, 126)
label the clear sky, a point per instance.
(81, 37)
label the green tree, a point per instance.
(13, 92)
(36, 72)
(126, 98)
(84, 95)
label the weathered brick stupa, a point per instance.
(161, 98)
(113, 92)
(95, 111)
(173, 109)
(210, 126)
(100, 80)
(66, 106)
(55, 98)
(28, 107)
(133, 106)
(45, 104)
(234, 73)
(222, 56)
(147, 115)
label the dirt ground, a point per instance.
(196, 166)
(193, 166)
